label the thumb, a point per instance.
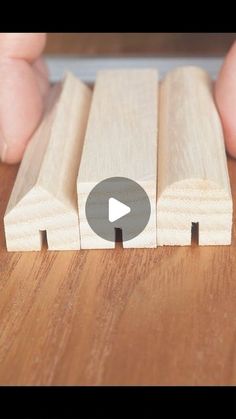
(23, 85)
(225, 96)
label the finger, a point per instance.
(23, 89)
(27, 46)
(21, 107)
(42, 76)
(225, 95)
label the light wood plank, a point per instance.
(44, 194)
(121, 140)
(193, 181)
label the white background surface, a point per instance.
(86, 68)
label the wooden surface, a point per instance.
(133, 316)
(133, 44)
(193, 182)
(121, 141)
(154, 316)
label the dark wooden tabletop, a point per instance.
(127, 44)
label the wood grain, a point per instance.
(44, 194)
(127, 44)
(134, 316)
(193, 181)
(122, 128)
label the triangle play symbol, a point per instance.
(117, 210)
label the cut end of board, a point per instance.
(194, 202)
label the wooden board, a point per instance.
(121, 140)
(193, 182)
(162, 316)
(44, 195)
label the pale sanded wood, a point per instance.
(44, 194)
(121, 140)
(193, 181)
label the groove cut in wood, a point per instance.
(193, 181)
(44, 194)
(121, 141)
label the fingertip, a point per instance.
(231, 145)
(21, 108)
(13, 153)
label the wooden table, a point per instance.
(133, 44)
(154, 316)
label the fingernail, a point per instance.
(3, 151)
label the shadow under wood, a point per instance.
(195, 234)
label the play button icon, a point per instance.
(117, 203)
(117, 210)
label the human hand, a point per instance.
(23, 88)
(225, 96)
(24, 85)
